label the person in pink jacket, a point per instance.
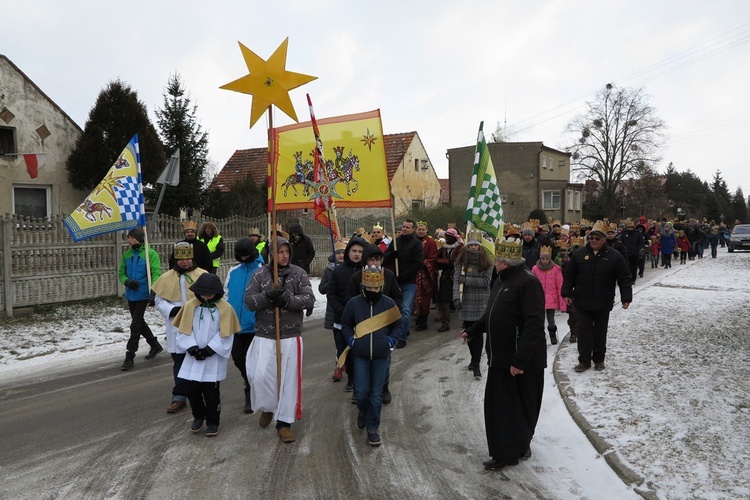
(551, 277)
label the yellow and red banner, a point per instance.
(354, 171)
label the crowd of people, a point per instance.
(376, 287)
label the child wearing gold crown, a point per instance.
(371, 323)
(551, 278)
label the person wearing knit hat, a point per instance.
(446, 264)
(171, 290)
(133, 274)
(531, 246)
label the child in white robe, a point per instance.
(207, 324)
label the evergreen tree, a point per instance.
(179, 128)
(685, 190)
(722, 198)
(739, 209)
(115, 118)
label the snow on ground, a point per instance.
(674, 401)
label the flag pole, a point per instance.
(393, 230)
(274, 246)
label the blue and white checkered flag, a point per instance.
(129, 199)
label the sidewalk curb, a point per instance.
(567, 393)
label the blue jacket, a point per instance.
(238, 279)
(133, 267)
(376, 345)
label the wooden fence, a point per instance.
(41, 264)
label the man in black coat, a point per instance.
(303, 250)
(632, 240)
(589, 284)
(516, 355)
(405, 259)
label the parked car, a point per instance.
(739, 239)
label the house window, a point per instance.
(416, 164)
(551, 164)
(417, 204)
(31, 201)
(578, 201)
(544, 162)
(8, 141)
(571, 199)
(550, 200)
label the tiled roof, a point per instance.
(243, 162)
(255, 162)
(396, 146)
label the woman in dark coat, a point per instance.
(517, 356)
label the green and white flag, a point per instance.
(484, 209)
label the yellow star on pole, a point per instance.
(268, 82)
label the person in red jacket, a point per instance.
(683, 243)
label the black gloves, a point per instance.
(201, 354)
(457, 304)
(152, 298)
(174, 311)
(277, 296)
(133, 285)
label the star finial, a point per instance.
(368, 139)
(268, 82)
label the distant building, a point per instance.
(31, 123)
(530, 175)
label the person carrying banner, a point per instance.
(292, 296)
(133, 274)
(171, 294)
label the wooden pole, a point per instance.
(274, 247)
(393, 229)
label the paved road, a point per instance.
(96, 432)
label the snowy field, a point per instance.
(673, 403)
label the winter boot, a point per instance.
(553, 335)
(248, 404)
(573, 337)
(156, 348)
(128, 363)
(445, 327)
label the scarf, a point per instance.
(168, 285)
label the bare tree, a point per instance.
(619, 137)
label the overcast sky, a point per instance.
(436, 67)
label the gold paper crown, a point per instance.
(508, 248)
(422, 223)
(612, 227)
(585, 222)
(577, 241)
(563, 244)
(575, 229)
(534, 223)
(377, 226)
(599, 226)
(359, 232)
(474, 235)
(367, 237)
(373, 277)
(545, 251)
(629, 222)
(451, 225)
(556, 223)
(254, 231)
(183, 250)
(339, 245)
(190, 225)
(512, 231)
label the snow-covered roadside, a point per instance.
(674, 400)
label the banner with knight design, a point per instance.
(116, 204)
(354, 172)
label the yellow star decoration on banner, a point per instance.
(368, 139)
(268, 82)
